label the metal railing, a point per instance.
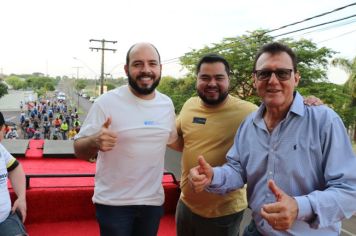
(31, 176)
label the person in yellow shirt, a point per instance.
(72, 133)
(207, 125)
(64, 129)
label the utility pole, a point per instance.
(77, 67)
(103, 41)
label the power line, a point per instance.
(327, 28)
(338, 36)
(313, 26)
(313, 17)
(174, 60)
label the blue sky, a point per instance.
(44, 36)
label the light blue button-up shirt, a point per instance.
(308, 155)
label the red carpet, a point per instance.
(58, 166)
(67, 228)
(63, 206)
(35, 148)
(89, 228)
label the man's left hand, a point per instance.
(312, 101)
(282, 213)
(20, 205)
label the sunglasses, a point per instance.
(281, 74)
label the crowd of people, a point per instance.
(47, 119)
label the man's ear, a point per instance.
(253, 77)
(297, 78)
(126, 68)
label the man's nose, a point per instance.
(212, 82)
(273, 78)
(146, 68)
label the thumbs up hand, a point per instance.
(200, 176)
(105, 139)
(282, 213)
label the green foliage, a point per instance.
(117, 82)
(40, 85)
(312, 61)
(16, 82)
(333, 96)
(36, 83)
(179, 90)
(240, 52)
(80, 84)
(110, 86)
(3, 89)
(350, 86)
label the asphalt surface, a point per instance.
(10, 106)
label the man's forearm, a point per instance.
(85, 148)
(18, 181)
(178, 144)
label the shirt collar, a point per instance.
(296, 108)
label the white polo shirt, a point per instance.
(131, 173)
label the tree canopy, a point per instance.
(40, 84)
(179, 90)
(80, 84)
(240, 52)
(3, 89)
(350, 86)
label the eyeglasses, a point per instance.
(281, 74)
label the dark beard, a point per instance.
(142, 91)
(221, 98)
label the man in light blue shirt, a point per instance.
(296, 160)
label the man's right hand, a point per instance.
(200, 176)
(105, 140)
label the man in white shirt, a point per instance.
(128, 129)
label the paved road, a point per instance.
(11, 101)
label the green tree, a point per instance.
(40, 84)
(37, 83)
(349, 66)
(179, 90)
(16, 82)
(334, 96)
(312, 61)
(80, 84)
(3, 89)
(110, 86)
(240, 51)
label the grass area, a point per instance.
(354, 147)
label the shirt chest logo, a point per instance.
(199, 120)
(150, 123)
